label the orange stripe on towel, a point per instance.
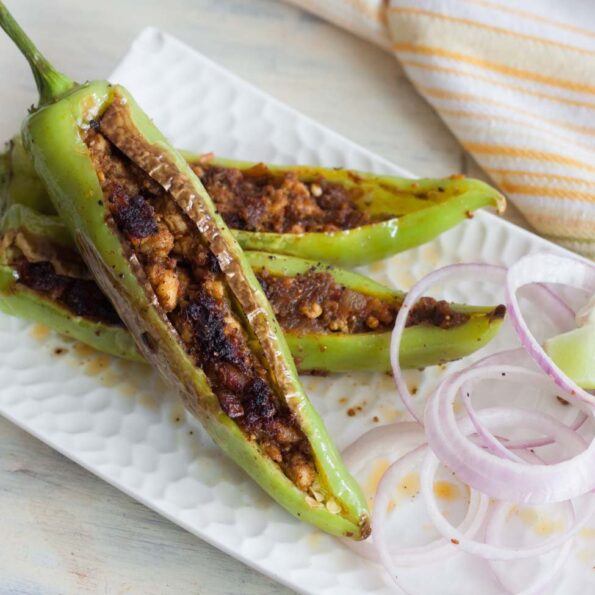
(531, 15)
(452, 95)
(426, 50)
(511, 86)
(496, 171)
(531, 190)
(500, 30)
(490, 149)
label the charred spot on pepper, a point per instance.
(259, 401)
(41, 277)
(82, 297)
(208, 324)
(133, 215)
(149, 342)
(85, 299)
(213, 263)
(497, 313)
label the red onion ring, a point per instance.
(497, 445)
(559, 312)
(489, 272)
(548, 268)
(380, 439)
(437, 549)
(490, 465)
(492, 443)
(502, 478)
(552, 304)
(373, 443)
(487, 550)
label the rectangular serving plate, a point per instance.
(119, 421)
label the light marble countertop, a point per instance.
(63, 531)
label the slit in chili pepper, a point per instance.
(258, 200)
(192, 291)
(315, 302)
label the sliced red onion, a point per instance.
(392, 557)
(486, 550)
(551, 304)
(495, 445)
(382, 439)
(548, 268)
(375, 442)
(492, 466)
(559, 312)
(497, 477)
(495, 522)
(503, 447)
(487, 272)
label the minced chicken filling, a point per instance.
(254, 199)
(314, 302)
(193, 293)
(81, 296)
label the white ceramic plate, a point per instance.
(118, 420)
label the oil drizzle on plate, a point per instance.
(84, 350)
(97, 365)
(539, 522)
(378, 470)
(409, 485)
(444, 490)
(40, 331)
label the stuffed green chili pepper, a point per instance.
(332, 215)
(150, 235)
(334, 320)
(43, 279)
(342, 217)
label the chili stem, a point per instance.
(51, 84)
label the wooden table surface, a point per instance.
(62, 530)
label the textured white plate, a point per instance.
(119, 421)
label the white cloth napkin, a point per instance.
(514, 81)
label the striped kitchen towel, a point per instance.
(515, 82)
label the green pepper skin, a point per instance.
(48, 227)
(416, 220)
(421, 346)
(422, 209)
(52, 136)
(19, 181)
